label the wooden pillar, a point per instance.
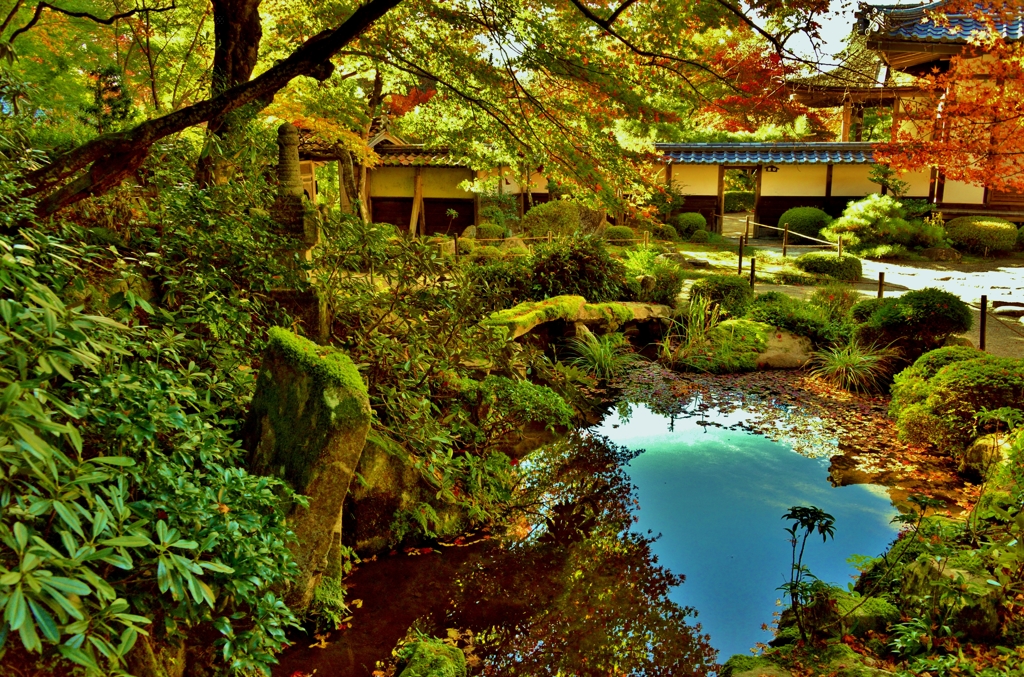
(344, 201)
(847, 120)
(417, 200)
(367, 200)
(720, 208)
(757, 201)
(828, 181)
(894, 132)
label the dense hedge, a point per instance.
(908, 385)
(978, 233)
(700, 236)
(490, 231)
(561, 217)
(486, 253)
(731, 292)
(739, 201)
(620, 235)
(1020, 238)
(579, 266)
(687, 223)
(845, 267)
(804, 220)
(863, 310)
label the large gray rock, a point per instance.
(785, 351)
(307, 425)
(942, 254)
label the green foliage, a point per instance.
(603, 357)
(504, 406)
(863, 310)
(688, 223)
(731, 292)
(112, 101)
(327, 609)
(486, 253)
(982, 233)
(836, 299)
(853, 367)
(490, 231)
(739, 201)
(577, 266)
(666, 201)
(665, 232)
(886, 176)
(700, 237)
(620, 235)
(882, 220)
(803, 587)
(357, 248)
(1020, 238)
(945, 409)
(804, 220)
(910, 386)
(916, 322)
(502, 283)
(560, 217)
(846, 267)
(501, 209)
(162, 522)
(699, 341)
(801, 318)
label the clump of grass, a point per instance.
(603, 357)
(854, 367)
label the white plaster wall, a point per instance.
(444, 182)
(798, 180)
(695, 179)
(392, 181)
(918, 183)
(852, 181)
(963, 193)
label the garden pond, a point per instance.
(647, 543)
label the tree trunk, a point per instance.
(115, 156)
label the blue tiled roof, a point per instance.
(767, 153)
(901, 22)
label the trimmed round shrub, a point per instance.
(883, 220)
(910, 385)
(466, 245)
(804, 220)
(687, 223)
(500, 284)
(621, 235)
(490, 231)
(700, 236)
(1020, 238)
(917, 322)
(978, 233)
(663, 231)
(486, 252)
(731, 292)
(957, 394)
(799, 317)
(561, 217)
(845, 267)
(863, 310)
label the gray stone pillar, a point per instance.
(288, 177)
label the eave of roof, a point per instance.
(887, 24)
(778, 153)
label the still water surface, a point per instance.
(716, 494)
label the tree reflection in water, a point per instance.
(580, 594)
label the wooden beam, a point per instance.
(417, 200)
(894, 132)
(940, 189)
(847, 120)
(933, 182)
(757, 200)
(828, 180)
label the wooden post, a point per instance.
(881, 285)
(417, 200)
(785, 239)
(746, 228)
(984, 322)
(753, 268)
(647, 237)
(551, 236)
(840, 246)
(739, 270)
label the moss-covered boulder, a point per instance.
(432, 659)
(526, 317)
(752, 666)
(307, 424)
(861, 615)
(975, 611)
(984, 456)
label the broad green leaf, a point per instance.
(127, 541)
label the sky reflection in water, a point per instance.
(717, 497)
